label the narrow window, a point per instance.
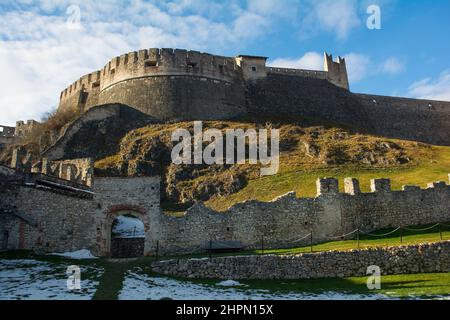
(151, 63)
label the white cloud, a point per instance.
(358, 66)
(310, 61)
(434, 89)
(335, 16)
(392, 66)
(40, 56)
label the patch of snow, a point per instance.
(27, 279)
(230, 283)
(140, 286)
(128, 227)
(79, 254)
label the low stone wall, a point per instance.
(421, 258)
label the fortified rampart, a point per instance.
(46, 213)
(175, 85)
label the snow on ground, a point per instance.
(79, 254)
(27, 279)
(230, 283)
(128, 227)
(140, 286)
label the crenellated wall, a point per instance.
(41, 212)
(285, 220)
(166, 84)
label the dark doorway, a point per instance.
(4, 244)
(127, 237)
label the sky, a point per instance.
(45, 45)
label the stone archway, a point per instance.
(124, 210)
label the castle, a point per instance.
(58, 205)
(175, 85)
(178, 84)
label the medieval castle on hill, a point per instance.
(58, 205)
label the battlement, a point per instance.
(7, 132)
(96, 88)
(23, 128)
(155, 62)
(330, 186)
(79, 171)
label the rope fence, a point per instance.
(359, 233)
(288, 246)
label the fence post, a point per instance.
(157, 250)
(262, 245)
(357, 237)
(311, 240)
(210, 247)
(440, 230)
(401, 235)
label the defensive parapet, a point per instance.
(176, 84)
(80, 171)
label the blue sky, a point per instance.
(43, 48)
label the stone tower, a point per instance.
(336, 71)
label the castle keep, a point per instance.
(175, 85)
(170, 84)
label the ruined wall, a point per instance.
(287, 219)
(47, 221)
(51, 215)
(45, 213)
(421, 258)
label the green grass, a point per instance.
(422, 285)
(302, 179)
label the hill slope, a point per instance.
(307, 150)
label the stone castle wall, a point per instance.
(283, 221)
(175, 85)
(421, 258)
(282, 95)
(164, 83)
(45, 213)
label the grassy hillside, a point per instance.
(308, 150)
(434, 166)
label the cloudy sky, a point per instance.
(43, 48)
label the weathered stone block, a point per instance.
(351, 186)
(327, 186)
(380, 185)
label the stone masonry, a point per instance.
(421, 258)
(48, 214)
